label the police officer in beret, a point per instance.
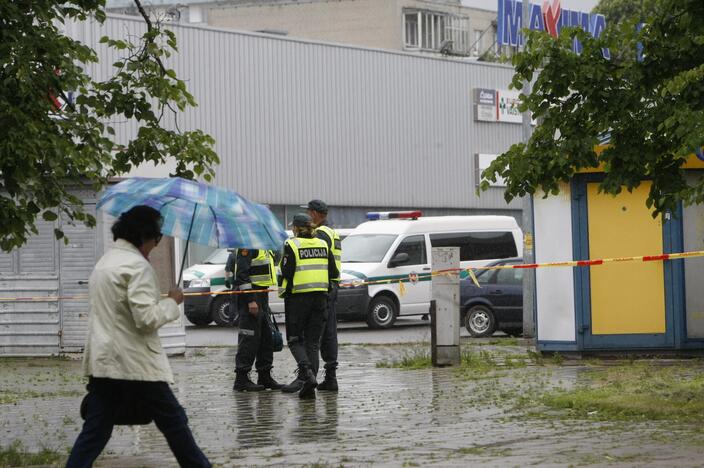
(253, 273)
(318, 211)
(306, 267)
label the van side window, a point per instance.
(478, 245)
(414, 246)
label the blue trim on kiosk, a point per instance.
(580, 243)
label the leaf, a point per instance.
(49, 216)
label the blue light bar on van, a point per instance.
(374, 215)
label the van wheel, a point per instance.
(479, 321)
(382, 313)
(220, 312)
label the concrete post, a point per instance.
(528, 252)
(445, 310)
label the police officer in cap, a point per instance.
(253, 273)
(318, 211)
(306, 267)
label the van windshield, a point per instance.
(366, 248)
(217, 258)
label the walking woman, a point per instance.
(127, 369)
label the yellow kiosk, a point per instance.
(629, 305)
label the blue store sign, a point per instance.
(550, 17)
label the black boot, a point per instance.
(244, 384)
(308, 388)
(330, 381)
(296, 385)
(267, 380)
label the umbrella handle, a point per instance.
(185, 252)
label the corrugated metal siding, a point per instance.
(354, 126)
(30, 327)
(78, 258)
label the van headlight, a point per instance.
(200, 283)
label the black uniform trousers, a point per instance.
(254, 339)
(105, 396)
(328, 343)
(305, 319)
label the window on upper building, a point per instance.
(477, 42)
(435, 31)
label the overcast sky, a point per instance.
(577, 5)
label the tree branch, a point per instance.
(150, 28)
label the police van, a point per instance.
(394, 245)
(209, 277)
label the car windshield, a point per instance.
(366, 248)
(218, 257)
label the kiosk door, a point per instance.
(625, 302)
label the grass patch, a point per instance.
(496, 342)
(16, 455)
(481, 362)
(416, 358)
(640, 391)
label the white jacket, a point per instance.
(126, 311)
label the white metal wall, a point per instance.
(30, 327)
(554, 286)
(354, 126)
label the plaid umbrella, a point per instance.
(199, 212)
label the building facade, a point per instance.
(362, 129)
(423, 26)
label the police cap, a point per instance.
(301, 220)
(317, 205)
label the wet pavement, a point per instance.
(380, 417)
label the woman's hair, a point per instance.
(141, 223)
(305, 231)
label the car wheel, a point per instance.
(220, 312)
(199, 321)
(382, 313)
(479, 321)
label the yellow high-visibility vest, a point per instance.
(311, 265)
(261, 271)
(336, 248)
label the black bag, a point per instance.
(130, 411)
(277, 339)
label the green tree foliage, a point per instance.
(653, 108)
(47, 153)
(617, 11)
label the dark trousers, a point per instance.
(328, 343)
(254, 338)
(105, 395)
(305, 318)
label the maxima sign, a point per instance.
(550, 18)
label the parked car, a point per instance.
(497, 304)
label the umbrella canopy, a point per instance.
(198, 212)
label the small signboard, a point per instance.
(507, 109)
(485, 104)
